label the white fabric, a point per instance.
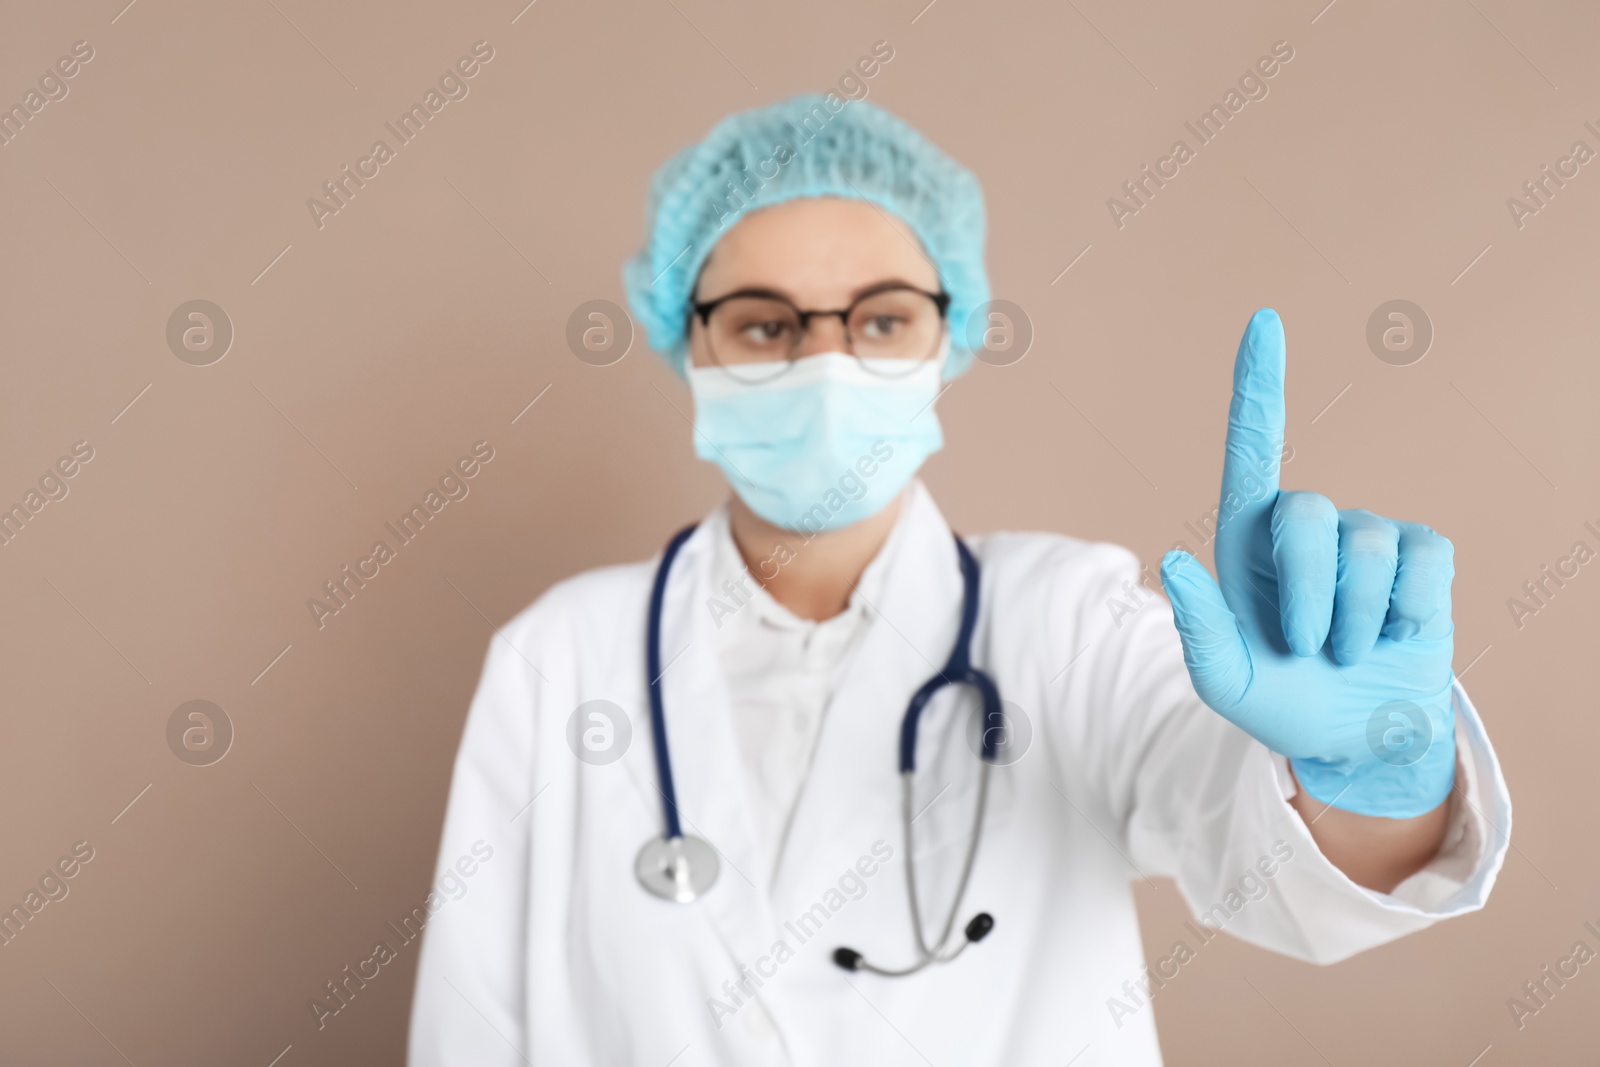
(556, 955)
(781, 672)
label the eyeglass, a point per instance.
(755, 335)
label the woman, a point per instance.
(1286, 741)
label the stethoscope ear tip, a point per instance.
(979, 927)
(849, 959)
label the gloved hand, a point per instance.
(1327, 634)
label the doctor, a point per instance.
(825, 783)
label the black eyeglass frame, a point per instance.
(703, 309)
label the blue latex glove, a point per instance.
(1327, 634)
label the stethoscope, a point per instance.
(681, 867)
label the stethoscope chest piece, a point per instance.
(679, 869)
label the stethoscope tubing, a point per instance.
(973, 840)
(957, 671)
(658, 711)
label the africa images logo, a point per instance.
(453, 486)
(452, 86)
(1208, 127)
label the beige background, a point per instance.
(427, 314)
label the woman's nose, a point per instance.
(824, 333)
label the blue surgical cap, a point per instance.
(807, 146)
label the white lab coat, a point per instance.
(555, 955)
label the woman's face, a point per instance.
(820, 252)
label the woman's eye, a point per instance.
(881, 325)
(765, 331)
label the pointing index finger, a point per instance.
(1255, 425)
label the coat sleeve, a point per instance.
(469, 1004)
(1185, 793)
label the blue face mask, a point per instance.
(826, 443)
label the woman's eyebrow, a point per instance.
(747, 290)
(767, 290)
(882, 283)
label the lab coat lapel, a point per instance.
(707, 770)
(851, 797)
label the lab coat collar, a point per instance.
(745, 603)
